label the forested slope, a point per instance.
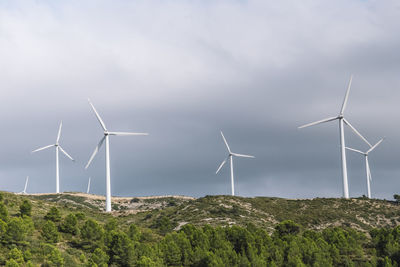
(71, 230)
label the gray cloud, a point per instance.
(183, 71)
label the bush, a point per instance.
(120, 249)
(12, 263)
(91, 231)
(16, 255)
(287, 228)
(99, 257)
(16, 230)
(80, 215)
(25, 208)
(50, 233)
(164, 225)
(3, 212)
(3, 230)
(70, 224)
(53, 215)
(55, 258)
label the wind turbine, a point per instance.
(26, 185)
(230, 158)
(368, 170)
(58, 147)
(88, 187)
(106, 138)
(342, 120)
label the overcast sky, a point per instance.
(184, 70)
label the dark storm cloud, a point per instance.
(183, 71)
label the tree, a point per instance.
(111, 225)
(164, 225)
(16, 230)
(50, 233)
(16, 255)
(70, 224)
(55, 258)
(3, 212)
(396, 197)
(12, 263)
(53, 215)
(25, 208)
(120, 249)
(3, 230)
(134, 233)
(99, 257)
(287, 228)
(91, 231)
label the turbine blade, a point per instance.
(369, 171)
(26, 184)
(42, 148)
(242, 155)
(356, 132)
(59, 133)
(65, 153)
(346, 96)
(126, 133)
(318, 122)
(95, 151)
(88, 187)
(377, 144)
(98, 116)
(220, 166)
(226, 143)
(355, 150)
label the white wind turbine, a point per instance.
(368, 170)
(230, 158)
(58, 147)
(106, 138)
(26, 185)
(342, 120)
(88, 187)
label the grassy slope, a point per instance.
(319, 213)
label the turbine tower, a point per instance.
(367, 168)
(58, 147)
(106, 138)
(88, 187)
(26, 185)
(342, 120)
(230, 158)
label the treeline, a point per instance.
(74, 240)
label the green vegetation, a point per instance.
(54, 230)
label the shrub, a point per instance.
(25, 208)
(70, 224)
(16, 230)
(80, 215)
(99, 257)
(55, 258)
(12, 263)
(50, 233)
(16, 255)
(287, 228)
(3, 212)
(53, 215)
(91, 231)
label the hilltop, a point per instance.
(319, 213)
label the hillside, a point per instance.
(319, 213)
(71, 229)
